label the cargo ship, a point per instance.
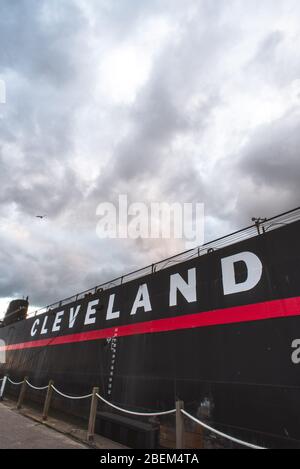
(217, 327)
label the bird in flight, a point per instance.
(41, 216)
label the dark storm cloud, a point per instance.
(270, 165)
(40, 39)
(275, 60)
(161, 113)
(39, 46)
(156, 120)
(66, 145)
(267, 49)
(38, 55)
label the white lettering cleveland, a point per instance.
(142, 301)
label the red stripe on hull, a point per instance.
(240, 314)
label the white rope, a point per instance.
(71, 397)
(152, 414)
(235, 440)
(15, 384)
(36, 388)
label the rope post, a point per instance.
(22, 394)
(48, 400)
(3, 388)
(93, 414)
(179, 425)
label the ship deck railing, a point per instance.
(258, 228)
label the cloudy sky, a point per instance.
(163, 100)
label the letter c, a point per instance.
(34, 327)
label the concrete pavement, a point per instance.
(19, 432)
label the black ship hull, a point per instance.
(222, 328)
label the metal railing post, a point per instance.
(3, 388)
(48, 400)
(93, 415)
(179, 425)
(22, 394)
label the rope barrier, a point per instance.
(42, 388)
(36, 388)
(140, 414)
(217, 432)
(15, 384)
(71, 397)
